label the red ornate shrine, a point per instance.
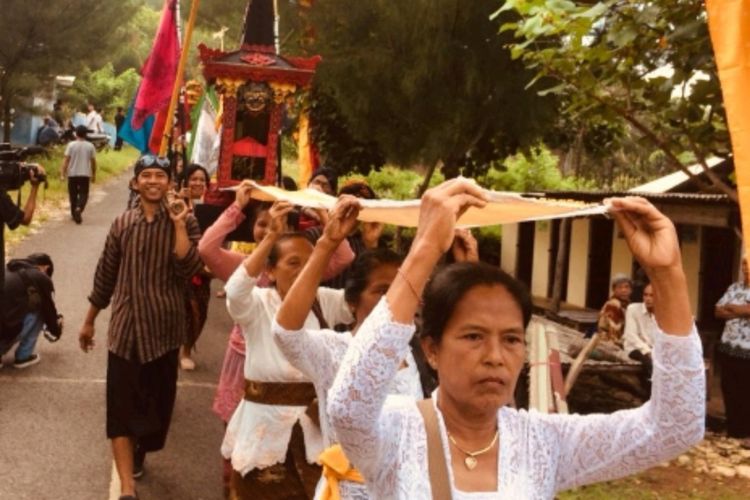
(254, 82)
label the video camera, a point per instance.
(13, 170)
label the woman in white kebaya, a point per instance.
(272, 438)
(466, 442)
(318, 353)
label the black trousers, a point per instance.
(735, 373)
(140, 399)
(78, 192)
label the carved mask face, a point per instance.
(256, 97)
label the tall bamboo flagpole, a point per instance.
(178, 80)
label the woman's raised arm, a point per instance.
(220, 261)
(299, 300)
(602, 447)
(361, 386)
(652, 239)
(440, 209)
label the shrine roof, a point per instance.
(259, 65)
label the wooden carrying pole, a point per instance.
(577, 366)
(169, 123)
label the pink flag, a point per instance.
(160, 69)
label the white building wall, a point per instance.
(509, 248)
(690, 247)
(578, 262)
(622, 259)
(540, 267)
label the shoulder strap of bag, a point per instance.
(34, 297)
(318, 312)
(439, 479)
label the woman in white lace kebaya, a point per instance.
(272, 438)
(318, 353)
(474, 319)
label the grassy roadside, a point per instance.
(664, 483)
(53, 200)
(716, 469)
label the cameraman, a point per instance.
(29, 306)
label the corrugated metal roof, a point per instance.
(671, 181)
(598, 196)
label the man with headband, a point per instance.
(149, 253)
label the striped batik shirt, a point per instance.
(146, 284)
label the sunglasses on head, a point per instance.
(151, 160)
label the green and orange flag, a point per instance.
(729, 24)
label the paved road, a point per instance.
(52, 415)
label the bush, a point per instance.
(537, 171)
(394, 183)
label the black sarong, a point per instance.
(140, 399)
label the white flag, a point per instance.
(207, 138)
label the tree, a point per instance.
(644, 69)
(138, 37)
(428, 81)
(104, 88)
(331, 135)
(63, 36)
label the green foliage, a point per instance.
(642, 72)
(334, 139)
(537, 171)
(426, 80)
(140, 30)
(104, 88)
(394, 183)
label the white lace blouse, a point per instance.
(258, 435)
(318, 355)
(538, 454)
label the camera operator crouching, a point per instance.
(13, 173)
(28, 308)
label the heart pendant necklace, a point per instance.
(471, 456)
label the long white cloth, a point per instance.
(503, 208)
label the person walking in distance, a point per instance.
(119, 122)
(149, 254)
(79, 166)
(94, 120)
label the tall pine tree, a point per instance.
(44, 39)
(429, 81)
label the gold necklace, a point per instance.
(471, 461)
